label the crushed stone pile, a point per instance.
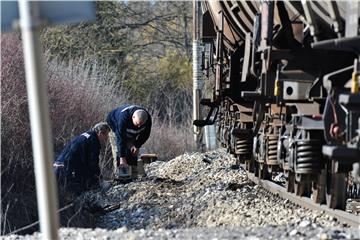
(200, 196)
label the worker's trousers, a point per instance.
(131, 160)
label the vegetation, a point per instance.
(132, 38)
(135, 52)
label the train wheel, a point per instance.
(290, 181)
(318, 189)
(336, 191)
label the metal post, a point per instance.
(197, 79)
(39, 119)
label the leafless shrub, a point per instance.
(170, 138)
(80, 96)
(78, 99)
(16, 165)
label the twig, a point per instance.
(71, 218)
(37, 222)
(5, 216)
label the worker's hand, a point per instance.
(123, 162)
(134, 151)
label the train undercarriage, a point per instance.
(285, 91)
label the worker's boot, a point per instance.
(123, 174)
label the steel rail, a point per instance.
(350, 219)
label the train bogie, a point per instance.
(286, 83)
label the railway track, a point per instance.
(343, 216)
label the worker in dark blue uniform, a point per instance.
(131, 127)
(77, 167)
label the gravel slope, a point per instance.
(192, 198)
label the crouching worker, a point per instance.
(131, 126)
(77, 167)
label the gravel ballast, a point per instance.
(200, 196)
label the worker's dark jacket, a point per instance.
(80, 161)
(120, 121)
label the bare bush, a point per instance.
(79, 96)
(169, 142)
(170, 138)
(16, 162)
(78, 99)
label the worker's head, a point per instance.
(102, 130)
(139, 117)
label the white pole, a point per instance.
(39, 119)
(197, 74)
(197, 86)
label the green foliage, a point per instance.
(121, 30)
(148, 45)
(175, 66)
(103, 40)
(170, 74)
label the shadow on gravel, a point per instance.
(96, 204)
(167, 181)
(235, 186)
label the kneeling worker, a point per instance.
(77, 167)
(131, 126)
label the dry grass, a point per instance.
(169, 139)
